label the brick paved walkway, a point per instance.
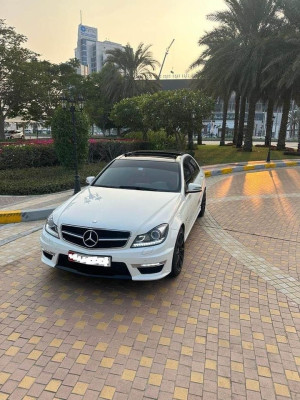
(227, 328)
(33, 202)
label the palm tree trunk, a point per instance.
(284, 121)
(269, 122)
(240, 136)
(200, 133)
(236, 117)
(225, 110)
(250, 123)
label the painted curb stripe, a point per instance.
(10, 217)
(291, 163)
(270, 165)
(226, 170)
(248, 167)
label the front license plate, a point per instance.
(101, 261)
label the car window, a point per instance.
(187, 169)
(194, 169)
(141, 175)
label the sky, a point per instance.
(51, 26)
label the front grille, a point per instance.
(116, 270)
(107, 239)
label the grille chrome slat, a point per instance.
(72, 234)
(106, 238)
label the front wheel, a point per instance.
(203, 205)
(178, 254)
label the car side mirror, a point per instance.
(194, 188)
(89, 179)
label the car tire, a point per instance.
(178, 255)
(203, 205)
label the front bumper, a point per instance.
(138, 264)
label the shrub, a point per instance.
(27, 156)
(107, 150)
(158, 140)
(29, 181)
(62, 133)
(292, 152)
(24, 156)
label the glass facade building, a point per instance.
(90, 52)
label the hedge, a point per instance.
(26, 156)
(32, 181)
(110, 149)
(35, 156)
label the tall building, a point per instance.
(90, 52)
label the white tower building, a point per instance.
(90, 52)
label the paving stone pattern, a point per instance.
(33, 202)
(226, 328)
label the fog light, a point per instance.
(49, 252)
(159, 264)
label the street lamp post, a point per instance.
(71, 103)
(270, 142)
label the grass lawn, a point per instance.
(214, 154)
(27, 181)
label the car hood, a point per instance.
(120, 209)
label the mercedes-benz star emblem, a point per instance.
(90, 238)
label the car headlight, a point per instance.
(51, 227)
(156, 236)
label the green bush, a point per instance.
(28, 156)
(158, 140)
(62, 133)
(31, 181)
(110, 149)
(24, 156)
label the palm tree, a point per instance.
(219, 74)
(250, 23)
(286, 62)
(129, 73)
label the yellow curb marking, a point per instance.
(248, 167)
(226, 170)
(291, 163)
(270, 165)
(10, 217)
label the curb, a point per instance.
(251, 167)
(15, 216)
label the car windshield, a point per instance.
(160, 176)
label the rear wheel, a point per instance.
(203, 205)
(178, 255)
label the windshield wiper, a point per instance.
(138, 188)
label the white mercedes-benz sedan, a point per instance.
(131, 221)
